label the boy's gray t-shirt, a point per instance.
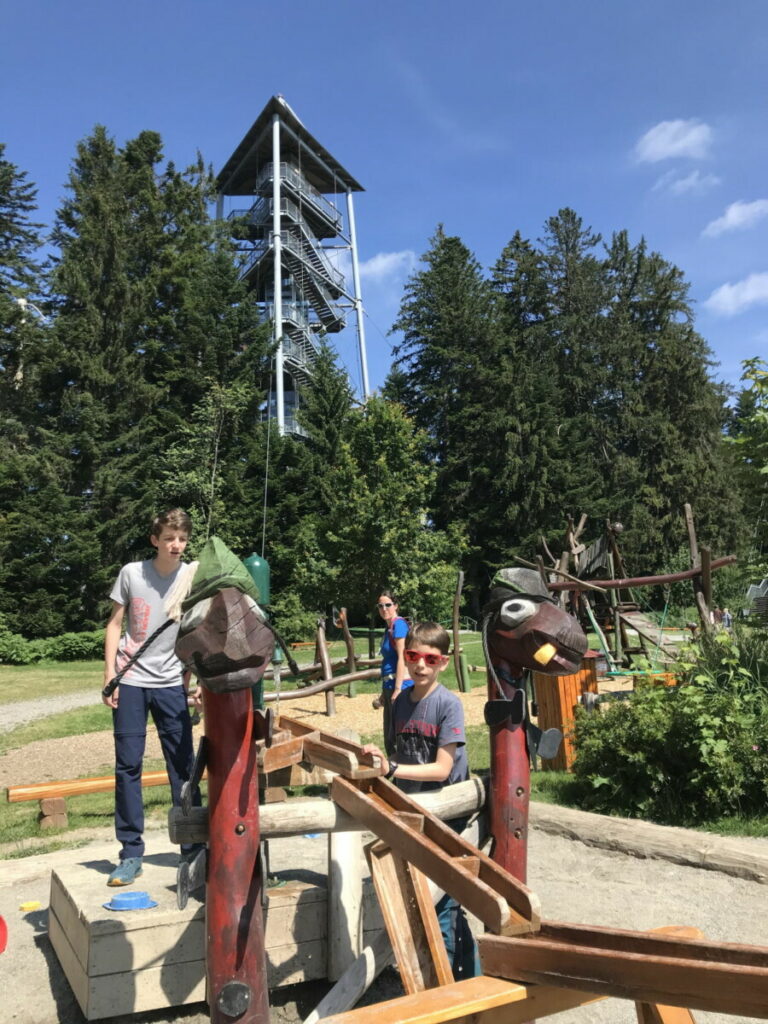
(143, 591)
(422, 728)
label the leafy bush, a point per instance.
(292, 620)
(76, 646)
(687, 754)
(16, 650)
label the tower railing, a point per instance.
(300, 184)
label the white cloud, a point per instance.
(738, 216)
(385, 266)
(730, 299)
(679, 184)
(674, 138)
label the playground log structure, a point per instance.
(554, 965)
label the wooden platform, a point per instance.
(131, 962)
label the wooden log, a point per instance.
(52, 820)
(325, 684)
(706, 575)
(643, 581)
(703, 610)
(457, 666)
(648, 841)
(318, 814)
(324, 658)
(76, 787)
(349, 643)
(345, 901)
(692, 543)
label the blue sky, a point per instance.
(487, 117)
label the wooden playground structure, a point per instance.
(531, 967)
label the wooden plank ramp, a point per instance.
(650, 635)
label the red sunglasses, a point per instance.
(412, 657)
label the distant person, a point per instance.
(717, 616)
(394, 674)
(430, 752)
(727, 619)
(155, 683)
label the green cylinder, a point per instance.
(258, 569)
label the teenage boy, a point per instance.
(430, 752)
(155, 683)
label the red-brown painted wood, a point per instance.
(509, 792)
(234, 914)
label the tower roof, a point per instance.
(317, 165)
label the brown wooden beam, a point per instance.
(479, 1000)
(644, 967)
(501, 902)
(642, 581)
(76, 787)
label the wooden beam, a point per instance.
(76, 787)
(480, 1000)
(410, 919)
(325, 660)
(692, 543)
(325, 684)
(501, 902)
(331, 748)
(706, 575)
(643, 581)
(641, 966)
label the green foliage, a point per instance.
(689, 754)
(748, 431)
(554, 388)
(142, 392)
(293, 621)
(16, 650)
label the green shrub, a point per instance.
(16, 650)
(293, 622)
(689, 754)
(76, 646)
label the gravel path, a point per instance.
(23, 711)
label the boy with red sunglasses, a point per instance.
(430, 752)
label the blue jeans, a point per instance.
(168, 707)
(459, 942)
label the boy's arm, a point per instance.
(436, 771)
(111, 643)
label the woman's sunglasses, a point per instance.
(384, 604)
(412, 657)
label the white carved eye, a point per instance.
(516, 611)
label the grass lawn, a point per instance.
(49, 679)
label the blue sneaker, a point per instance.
(125, 872)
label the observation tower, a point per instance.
(296, 244)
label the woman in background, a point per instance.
(394, 674)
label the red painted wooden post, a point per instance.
(236, 962)
(509, 791)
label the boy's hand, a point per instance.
(196, 698)
(371, 748)
(112, 700)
